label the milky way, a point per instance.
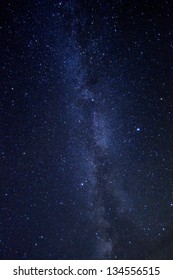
(87, 130)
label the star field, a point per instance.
(87, 130)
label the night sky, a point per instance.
(86, 129)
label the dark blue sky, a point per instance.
(86, 131)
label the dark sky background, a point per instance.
(86, 129)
